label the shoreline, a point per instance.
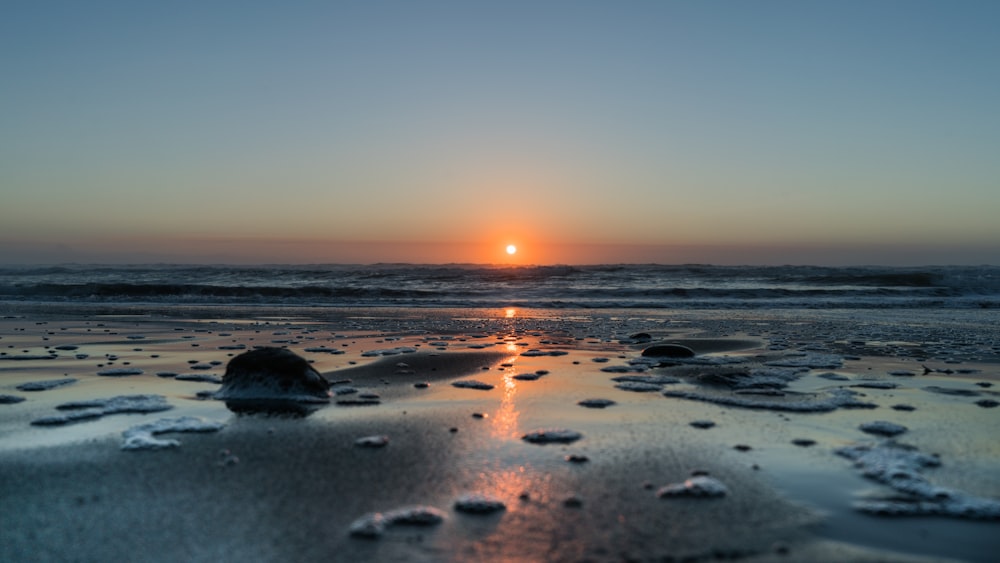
(297, 483)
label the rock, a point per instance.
(883, 428)
(479, 503)
(472, 384)
(596, 403)
(668, 351)
(552, 436)
(272, 373)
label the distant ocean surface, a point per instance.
(448, 286)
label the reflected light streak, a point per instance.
(504, 423)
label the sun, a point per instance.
(511, 249)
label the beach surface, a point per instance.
(788, 436)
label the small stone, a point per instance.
(552, 435)
(479, 503)
(987, 403)
(596, 403)
(668, 351)
(472, 384)
(703, 424)
(804, 442)
(577, 458)
(883, 428)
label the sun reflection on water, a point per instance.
(504, 420)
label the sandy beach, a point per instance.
(753, 450)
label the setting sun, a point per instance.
(511, 249)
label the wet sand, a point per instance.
(289, 488)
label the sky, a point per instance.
(709, 131)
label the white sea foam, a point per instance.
(47, 384)
(809, 360)
(143, 436)
(389, 351)
(374, 524)
(376, 441)
(900, 467)
(701, 486)
(833, 400)
(639, 387)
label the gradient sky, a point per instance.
(827, 132)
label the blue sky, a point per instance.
(710, 131)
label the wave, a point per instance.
(452, 285)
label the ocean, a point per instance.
(542, 287)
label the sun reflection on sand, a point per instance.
(516, 485)
(504, 420)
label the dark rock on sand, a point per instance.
(272, 380)
(668, 351)
(883, 428)
(10, 399)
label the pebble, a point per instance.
(703, 424)
(552, 436)
(804, 442)
(479, 503)
(120, 372)
(472, 384)
(526, 377)
(987, 403)
(596, 403)
(883, 428)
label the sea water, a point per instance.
(539, 287)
